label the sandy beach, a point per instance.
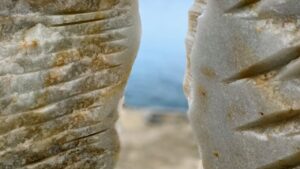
(156, 141)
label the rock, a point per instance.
(63, 68)
(195, 11)
(244, 99)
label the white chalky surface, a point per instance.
(243, 83)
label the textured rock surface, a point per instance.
(245, 73)
(195, 11)
(63, 68)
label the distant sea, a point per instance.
(157, 77)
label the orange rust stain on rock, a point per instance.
(230, 115)
(216, 154)
(264, 79)
(202, 91)
(29, 45)
(208, 71)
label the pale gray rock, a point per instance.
(245, 81)
(195, 11)
(63, 68)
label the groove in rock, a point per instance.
(57, 142)
(57, 19)
(75, 144)
(49, 112)
(79, 13)
(44, 92)
(289, 162)
(105, 37)
(64, 78)
(281, 124)
(242, 4)
(79, 95)
(277, 61)
(89, 135)
(77, 23)
(82, 127)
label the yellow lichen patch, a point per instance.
(83, 103)
(65, 57)
(78, 118)
(29, 44)
(208, 71)
(98, 63)
(51, 78)
(104, 46)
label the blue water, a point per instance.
(157, 77)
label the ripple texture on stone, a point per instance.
(63, 69)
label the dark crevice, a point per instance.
(274, 119)
(79, 22)
(289, 162)
(277, 61)
(242, 5)
(89, 135)
(66, 147)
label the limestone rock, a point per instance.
(63, 68)
(195, 11)
(244, 99)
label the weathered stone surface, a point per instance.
(244, 95)
(195, 11)
(63, 68)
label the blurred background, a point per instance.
(154, 130)
(157, 77)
